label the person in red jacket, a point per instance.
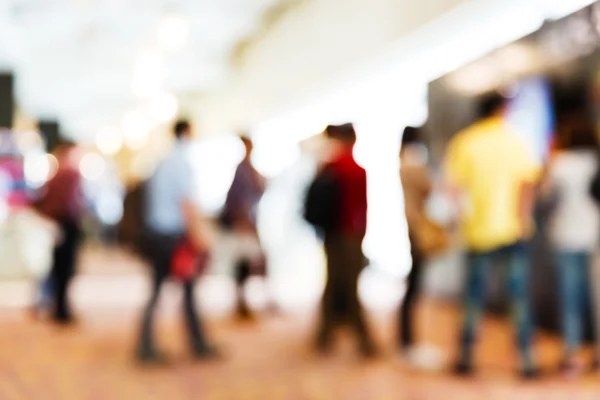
(343, 243)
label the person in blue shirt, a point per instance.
(171, 217)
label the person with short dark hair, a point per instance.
(182, 129)
(343, 244)
(171, 219)
(492, 176)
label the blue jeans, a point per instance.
(516, 259)
(572, 268)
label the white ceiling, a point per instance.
(80, 60)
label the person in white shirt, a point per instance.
(575, 234)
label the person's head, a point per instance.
(248, 145)
(493, 104)
(411, 136)
(182, 130)
(580, 139)
(63, 151)
(342, 135)
(412, 149)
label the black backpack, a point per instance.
(321, 204)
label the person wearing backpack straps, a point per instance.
(343, 244)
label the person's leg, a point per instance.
(353, 261)
(242, 274)
(477, 267)
(568, 282)
(330, 309)
(518, 284)
(63, 271)
(147, 347)
(594, 274)
(406, 329)
(195, 330)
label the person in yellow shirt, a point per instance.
(492, 176)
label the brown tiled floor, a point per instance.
(269, 359)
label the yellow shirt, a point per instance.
(489, 162)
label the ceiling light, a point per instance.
(92, 166)
(37, 168)
(163, 108)
(136, 129)
(109, 140)
(147, 74)
(173, 32)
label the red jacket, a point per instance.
(352, 180)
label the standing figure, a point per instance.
(575, 234)
(238, 219)
(492, 177)
(338, 198)
(63, 202)
(171, 218)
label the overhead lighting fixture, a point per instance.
(109, 140)
(475, 79)
(147, 74)
(173, 33)
(163, 108)
(136, 129)
(92, 166)
(39, 167)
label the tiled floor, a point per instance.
(268, 359)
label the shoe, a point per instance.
(368, 351)
(323, 346)
(595, 365)
(206, 353)
(530, 374)
(65, 320)
(152, 358)
(463, 369)
(425, 358)
(572, 367)
(243, 312)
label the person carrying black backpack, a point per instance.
(336, 205)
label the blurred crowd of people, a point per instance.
(489, 174)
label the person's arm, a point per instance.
(192, 216)
(194, 225)
(363, 204)
(526, 207)
(454, 171)
(530, 173)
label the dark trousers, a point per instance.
(340, 304)
(63, 268)
(159, 251)
(407, 309)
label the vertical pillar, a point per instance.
(7, 106)
(50, 131)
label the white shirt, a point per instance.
(575, 224)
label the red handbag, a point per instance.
(187, 262)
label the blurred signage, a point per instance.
(13, 189)
(577, 35)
